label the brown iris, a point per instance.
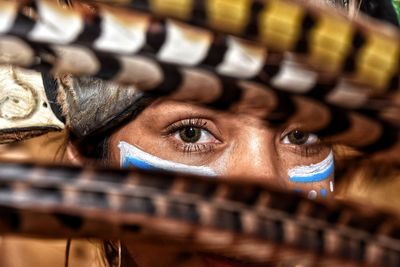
(298, 137)
(190, 134)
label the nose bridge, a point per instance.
(254, 156)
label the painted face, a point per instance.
(132, 156)
(170, 135)
(184, 137)
(314, 174)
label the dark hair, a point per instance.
(95, 146)
(380, 9)
(110, 253)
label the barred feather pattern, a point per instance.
(241, 219)
(344, 126)
(118, 31)
(331, 42)
(79, 53)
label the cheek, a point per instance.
(314, 180)
(114, 153)
(319, 190)
(221, 164)
(132, 156)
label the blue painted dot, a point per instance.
(298, 191)
(324, 192)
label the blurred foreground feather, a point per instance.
(364, 66)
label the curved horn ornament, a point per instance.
(24, 108)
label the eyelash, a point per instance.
(190, 147)
(305, 150)
(308, 150)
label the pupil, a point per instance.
(190, 134)
(298, 137)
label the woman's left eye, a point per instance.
(191, 134)
(299, 138)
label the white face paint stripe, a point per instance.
(314, 172)
(132, 156)
(331, 186)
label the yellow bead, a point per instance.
(280, 25)
(181, 9)
(230, 16)
(377, 61)
(330, 43)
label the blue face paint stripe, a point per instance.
(316, 177)
(131, 156)
(133, 162)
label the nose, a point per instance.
(253, 156)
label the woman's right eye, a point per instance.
(191, 134)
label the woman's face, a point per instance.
(190, 138)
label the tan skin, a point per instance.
(231, 144)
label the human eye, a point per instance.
(298, 137)
(302, 142)
(192, 135)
